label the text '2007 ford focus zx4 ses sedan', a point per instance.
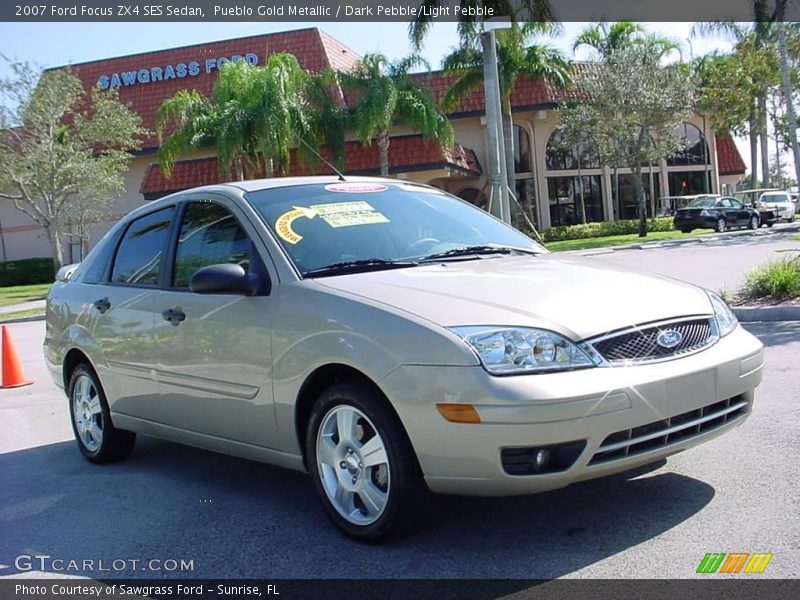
(389, 338)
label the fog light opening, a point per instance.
(540, 459)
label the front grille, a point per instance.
(667, 432)
(642, 344)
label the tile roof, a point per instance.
(728, 158)
(313, 48)
(406, 153)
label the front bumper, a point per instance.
(548, 409)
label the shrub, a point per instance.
(777, 278)
(604, 229)
(27, 271)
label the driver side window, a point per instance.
(724, 203)
(209, 235)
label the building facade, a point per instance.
(550, 180)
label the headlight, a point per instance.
(726, 320)
(511, 351)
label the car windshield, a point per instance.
(774, 198)
(703, 203)
(370, 225)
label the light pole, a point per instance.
(496, 151)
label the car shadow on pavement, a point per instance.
(775, 333)
(235, 518)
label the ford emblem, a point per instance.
(669, 338)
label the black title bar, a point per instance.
(376, 10)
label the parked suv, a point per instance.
(780, 203)
(389, 339)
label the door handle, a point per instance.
(174, 316)
(102, 305)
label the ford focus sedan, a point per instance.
(389, 339)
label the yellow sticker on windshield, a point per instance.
(283, 225)
(347, 214)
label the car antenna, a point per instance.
(319, 156)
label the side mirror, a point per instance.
(224, 279)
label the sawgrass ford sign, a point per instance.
(153, 74)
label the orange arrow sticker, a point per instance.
(283, 225)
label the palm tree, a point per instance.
(748, 40)
(517, 55)
(519, 11)
(606, 38)
(253, 113)
(786, 82)
(384, 94)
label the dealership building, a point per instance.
(549, 181)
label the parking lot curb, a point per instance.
(754, 314)
(22, 319)
(705, 239)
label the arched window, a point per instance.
(562, 156)
(696, 152)
(474, 196)
(522, 151)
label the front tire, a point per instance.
(753, 222)
(362, 463)
(721, 226)
(98, 440)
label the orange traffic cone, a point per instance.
(12, 370)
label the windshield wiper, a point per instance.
(475, 250)
(354, 266)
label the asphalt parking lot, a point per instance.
(236, 519)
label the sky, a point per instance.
(57, 44)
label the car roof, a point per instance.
(690, 197)
(255, 185)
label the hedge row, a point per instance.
(604, 228)
(27, 271)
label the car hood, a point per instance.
(576, 296)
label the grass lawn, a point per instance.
(19, 314)
(619, 240)
(23, 293)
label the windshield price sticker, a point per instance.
(347, 214)
(340, 214)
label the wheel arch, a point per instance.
(72, 359)
(319, 380)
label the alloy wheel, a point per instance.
(353, 465)
(87, 413)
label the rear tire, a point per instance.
(362, 463)
(98, 440)
(685, 230)
(753, 222)
(721, 226)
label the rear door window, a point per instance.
(140, 253)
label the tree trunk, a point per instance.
(640, 201)
(762, 134)
(580, 191)
(508, 141)
(791, 117)
(239, 169)
(383, 149)
(269, 168)
(753, 133)
(54, 237)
